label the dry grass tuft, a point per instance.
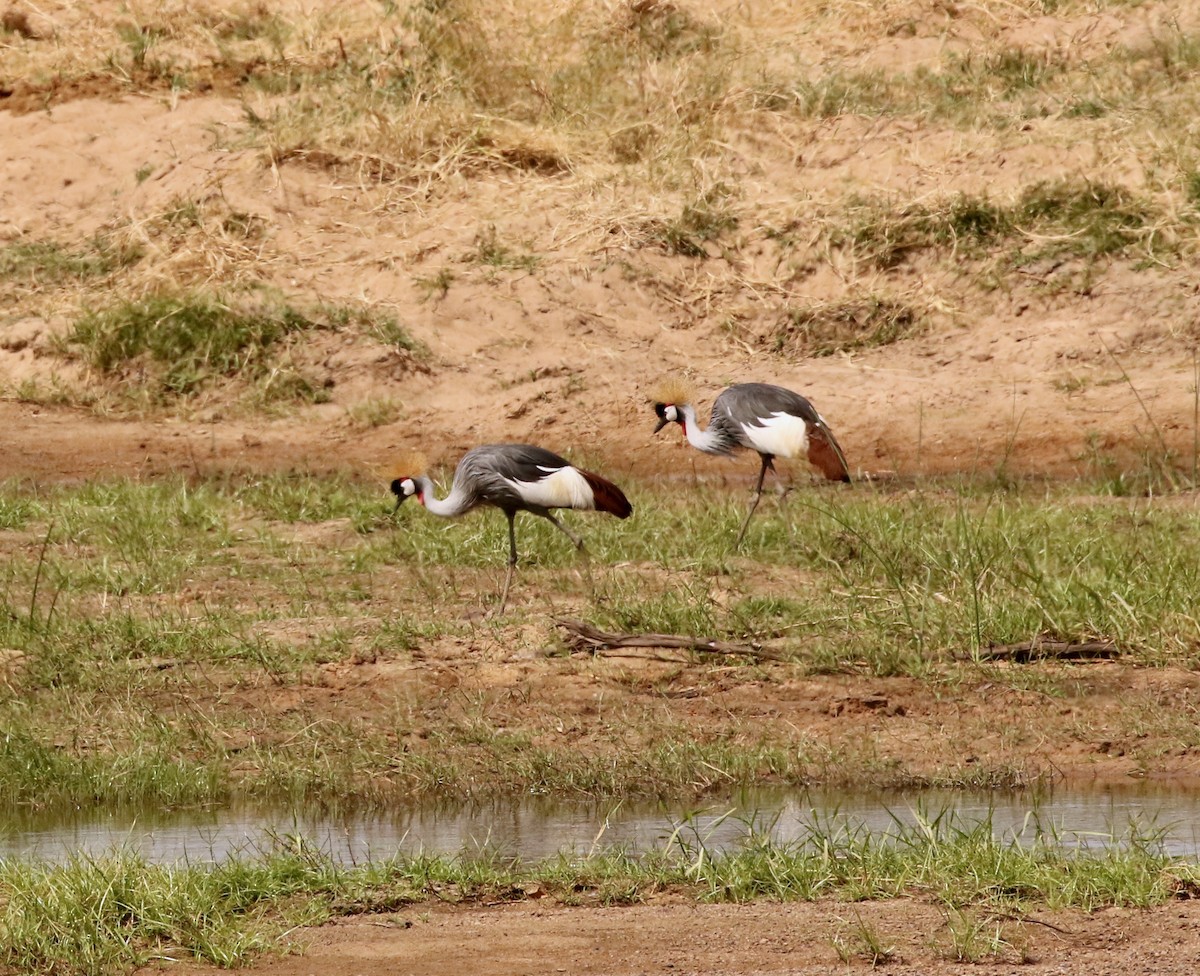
(524, 148)
(856, 322)
(197, 240)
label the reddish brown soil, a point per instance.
(1104, 722)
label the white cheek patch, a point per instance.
(408, 486)
(561, 488)
(781, 434)
(670, 413)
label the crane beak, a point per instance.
(663, 419)
(399, 493)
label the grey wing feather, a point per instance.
(485, 469)
(748, 402)
(521, 462)
(751, 403)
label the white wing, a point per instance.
(781, 434)
(561, 488)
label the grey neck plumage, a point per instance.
(711, 441)
(455, 503)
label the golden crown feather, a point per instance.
(410, 464)
(673, 391)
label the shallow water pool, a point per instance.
(1164, 815)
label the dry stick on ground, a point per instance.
(1036, 650)
(584, 637)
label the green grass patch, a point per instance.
(42, 774)
(927, 575)
(122, 604)
(125, 648)
(899, 585)
(299, 497)
(169, 346)
(185, 341)
(44, 264)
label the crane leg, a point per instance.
(766, 463)
(578, 540)
(565, 531)
(512, 561)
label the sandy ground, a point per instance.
(568, 357)
(671, 936)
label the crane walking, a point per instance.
(768, 419)
(513, 478)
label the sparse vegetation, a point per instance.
(1049, 219)
(703, 219)
(43, 264)
(1095, 220)
(492, 252)
(374, 412)
(706, 143)
(381, 326)
(973, 937)
(863, 941)
(436, 285)
(885, 236)
(821, 329)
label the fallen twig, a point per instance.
(1036, 650)
(584, 637)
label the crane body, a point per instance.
(770, 420)
(514, 478)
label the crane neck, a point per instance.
(708, 441)
(455, 503)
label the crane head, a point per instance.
(402, 488)
(670, 397)
(403, 477)
(667, 413)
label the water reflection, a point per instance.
(536, 827)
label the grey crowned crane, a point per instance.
(513, 478)
(768, 419)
